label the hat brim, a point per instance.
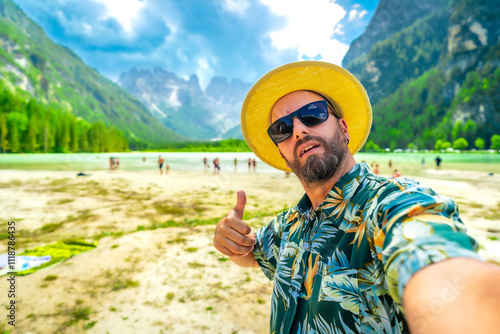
(333, 82)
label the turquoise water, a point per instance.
(407, 163)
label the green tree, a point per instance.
(457, 130)
(470, 130)
(479, 143)
(371, 147)
(3, 132)
(16, 124)
(495, 142)
(460, 144)
(442, 145)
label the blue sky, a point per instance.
(232, 38)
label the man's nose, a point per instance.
(299, 128)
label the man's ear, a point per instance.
(282, 157)
(345, 130)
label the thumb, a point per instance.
(241, 201)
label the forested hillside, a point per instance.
(32, 127)
(434, 80)
(59, 80)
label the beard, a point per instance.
(319, 169)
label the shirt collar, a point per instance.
(344, 188)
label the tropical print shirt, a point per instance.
(342, 267)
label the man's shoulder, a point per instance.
(383, 187)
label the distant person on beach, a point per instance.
(359, 253)
(438, 162)
(167, 168)
(423, 163)
(376, 170)
(205, 162)
(254, 165)
(396, 174)
(216, 165)
(143, 159)
(160, 164)
(117, 162)
(389, 164)
(235, 163)
(111, 163)
(249, 164)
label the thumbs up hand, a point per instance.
(232, 236)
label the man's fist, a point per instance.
(232, 236)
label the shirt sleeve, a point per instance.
(266, 250)
(417, 227)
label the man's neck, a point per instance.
(317, 192)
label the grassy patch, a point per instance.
(123, 284)
(50, 227)
(89, 324)
(191, 249)
(62, 201)
(177, 240)
(195, 265)
(104, 234)
(167, 207)
(58, 182)
(83, 216)
(78, 314)
(11, 184)
(50, 278)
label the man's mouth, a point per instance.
(307, 148)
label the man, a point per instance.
(160, 164)
(438, 162)
(359, 253)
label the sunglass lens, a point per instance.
(314, 114)
(280, 131)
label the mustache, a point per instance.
(306, 139)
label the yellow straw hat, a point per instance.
(334, 83)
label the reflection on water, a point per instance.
(406, 163)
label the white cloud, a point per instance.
(339, 29)
(236, 6)
(123, 10)
(310, 27)
(354, 14)
(204, 72)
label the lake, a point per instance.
(407, 163)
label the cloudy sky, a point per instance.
(232, 38)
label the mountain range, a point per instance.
(431, 70)
(184, 107)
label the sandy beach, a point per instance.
(154, 269)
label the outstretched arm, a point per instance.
(458, 295)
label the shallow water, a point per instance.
(406, 163)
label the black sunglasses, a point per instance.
(311, 114)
